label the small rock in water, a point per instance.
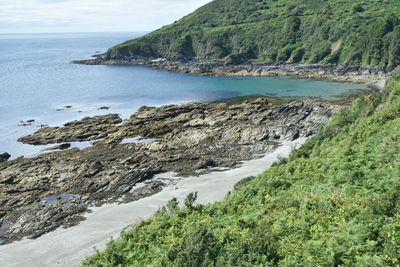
(103, 108)
(59, 147)
(67, 106)
(4, 157)
(64, 146)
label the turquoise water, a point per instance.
(37, 78)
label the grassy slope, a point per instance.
(335, 202)
(360, 32)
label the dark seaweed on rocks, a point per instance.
(4, 157)
(342, 73)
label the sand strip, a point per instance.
(68, 247)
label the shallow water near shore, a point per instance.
(39, 83)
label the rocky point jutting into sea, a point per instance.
(343, 73)
(54, 189)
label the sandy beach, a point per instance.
(68, 247)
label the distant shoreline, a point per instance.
(372, 76)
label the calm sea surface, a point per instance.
(36, 79)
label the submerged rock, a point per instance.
(4, 157)
(59, 147)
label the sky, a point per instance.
(43, 16)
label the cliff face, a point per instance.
(299, 31)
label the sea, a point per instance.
(39, 83)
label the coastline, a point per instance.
(78, 206)
(54, 189)
(68, 247)
(373, 76)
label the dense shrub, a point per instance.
(183, 47)
(319, 52)
(259, 29)
(297, 55)
(284, 53)
(358, 8)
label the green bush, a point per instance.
(284, 53)
(319, 52)
(297, 55)
(333, 58)
(358, 8)
(198, 248)
(183, 47)
(271, 55)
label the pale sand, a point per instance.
(68, 247)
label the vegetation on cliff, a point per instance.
(358, 32)
(334, 202)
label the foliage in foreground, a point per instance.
(361, 32)
(334, 202)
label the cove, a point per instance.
(38, 82)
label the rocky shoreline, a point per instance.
(40, 194)
(371, 75)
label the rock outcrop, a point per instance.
(217, 68)
(87, 129)
(53, 189)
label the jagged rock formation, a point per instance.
(187, 139)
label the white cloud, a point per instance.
(91, 15)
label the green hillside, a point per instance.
(335, 202)
(359, 32)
